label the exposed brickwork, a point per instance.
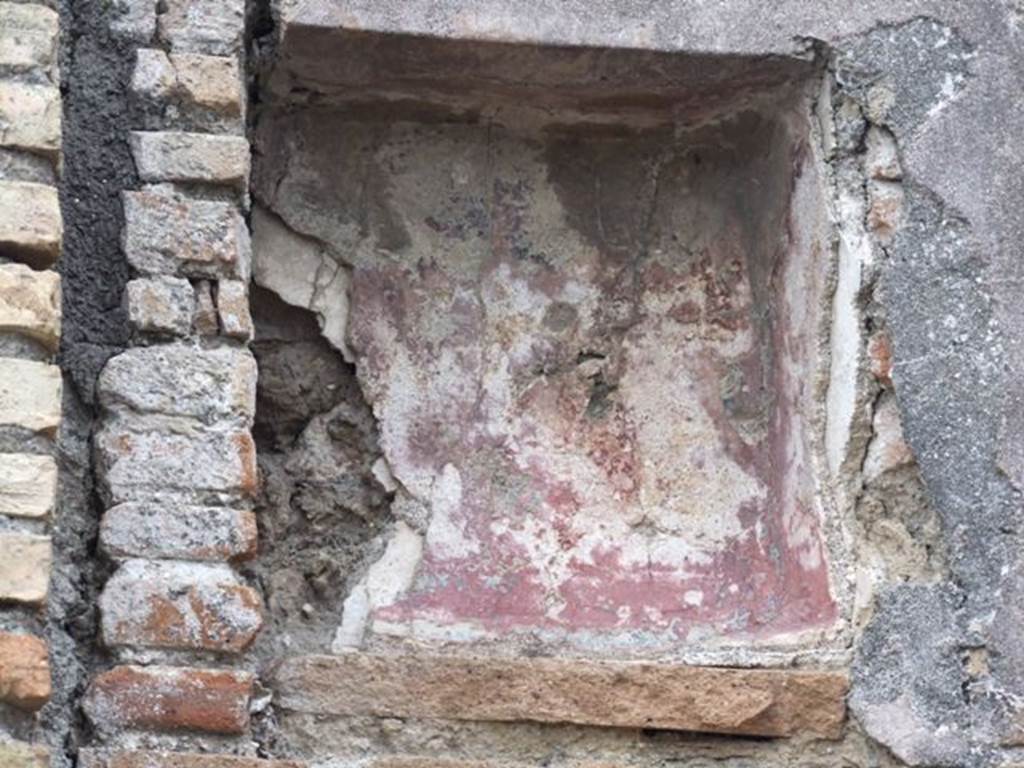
(184, 606)
(175, 459)
(436, 175)
(30, 117)
(166, 233)
(162, 305)
(191, 158)
(31, 232)
(28, 39)
(212, 386)
(170, 699)
(30, 303)
(24, 671)
(29, 395)
(28, 485)
(24, 567)
(33, 236)
(168, 530)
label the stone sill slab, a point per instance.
(750, 702)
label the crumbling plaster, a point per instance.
(936, 75)
(935, 600)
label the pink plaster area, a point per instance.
(593, 362)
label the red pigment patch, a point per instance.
(605, 421)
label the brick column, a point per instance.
(30, 383)
(175, 460)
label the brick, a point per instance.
(29, 395)
(203, 26)
(92, 758)
(161, 304)
(233, 309)
(212, 83)
(28, 37)
(184, 606)
(34, 236)
(182, 380)
(30, 303)
(166, 233)
(192, 465)
(201, 158)
(18, 754)
(24, 567)
(28, 485)
(753, 702)
(24, 671)
(170, 699)
(153, 76)
(187, 532)
(30, 117)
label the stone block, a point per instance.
(34, 236)
(233, 309)
(17, 165)
(24, 671)
(29, 395)
(30, 117)
(153, 76)
(751, 702)
(160, 304)
(182, 380)
(28, 485)
(28, 37)
(203, 26)
(170, 699)
(30, 303)
(191, 158)
(178, 605)
(166, 233)
(186, 532)
(211, 83)
(192, 465)
(195, 84)
(24, 567)
(18, 754)
(92, 758)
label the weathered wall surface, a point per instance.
(213, 527)
(605, 311)
(30, 382)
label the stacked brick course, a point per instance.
(175, 458)
(30, 383)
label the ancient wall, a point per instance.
(489, 385)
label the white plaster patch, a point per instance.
(389, 577)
